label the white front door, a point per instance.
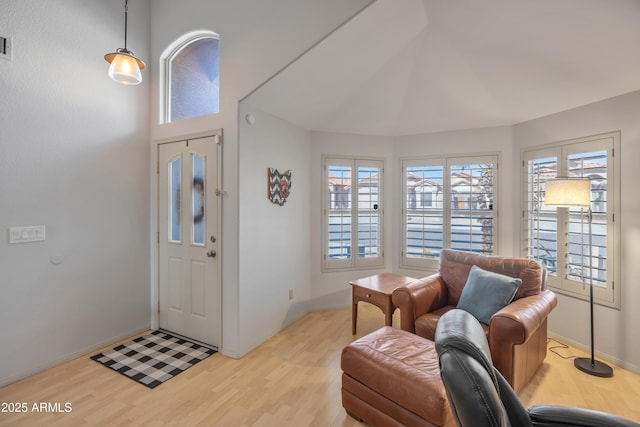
(189, 227)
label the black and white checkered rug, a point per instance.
(154, 358)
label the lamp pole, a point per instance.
(592, 366)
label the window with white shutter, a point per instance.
(559, 237)
(448, 202)
(352, 211)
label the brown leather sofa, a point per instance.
(517, 334)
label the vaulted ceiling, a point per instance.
(416, 66)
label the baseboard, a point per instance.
(230, 354)
(332, 301)
(74, 355)
(600, 355)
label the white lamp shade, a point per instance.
(124, 69)
(568, 193)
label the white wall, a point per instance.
(256, 42)
(257, 39)
(73, 157)
(615, 333)
(274, 240)
(330, 290)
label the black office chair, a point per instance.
(478, 394)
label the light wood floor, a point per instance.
(291, 380)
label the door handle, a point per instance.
(212, 254)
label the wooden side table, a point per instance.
(376, 290)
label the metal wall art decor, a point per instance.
(279, 186)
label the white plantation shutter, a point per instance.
(472, 197)
(541, 237)
(592, 165)
(423, 213)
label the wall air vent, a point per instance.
(5, 48)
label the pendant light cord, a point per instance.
(126, 9)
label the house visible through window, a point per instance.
(559, 237)
(447, 203)
(352, 212)
(192, 84)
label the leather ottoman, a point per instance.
(391, 378)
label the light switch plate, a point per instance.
(34, 233)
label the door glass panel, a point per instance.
(175, 232)
(197, 200)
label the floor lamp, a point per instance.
(570, 193)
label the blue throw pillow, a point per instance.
(485, 293)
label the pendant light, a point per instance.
(125, 67)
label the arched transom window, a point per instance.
(191, 77)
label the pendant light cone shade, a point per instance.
(125, 67)
(568, 193)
